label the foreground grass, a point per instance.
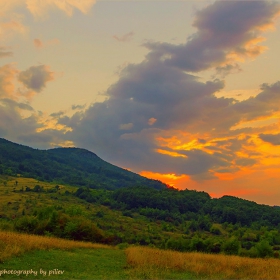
(15, 244)
(154, 263)
(74, 264)
(29, 256)
(35, 257)
(56, 258)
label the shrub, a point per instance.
(197, 244)
(212, 246)
(26, 224)
(178, 244)
(252, 253)
(231, 246)
(215, 230)
(264, 249)
(81, 229)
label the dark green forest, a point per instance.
(73, 166)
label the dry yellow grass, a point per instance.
(13, 244)
(203, 265)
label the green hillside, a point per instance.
(71, 166)
(81, 197)
(169, 219)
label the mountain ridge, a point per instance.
(73, 166)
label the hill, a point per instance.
(168, 219)
(71, 166)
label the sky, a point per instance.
(187, 92)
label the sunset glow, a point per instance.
(186, 92)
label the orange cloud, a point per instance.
(169, 179)
(172, 154)
(40, 8)
(8, 28)
(7, 81)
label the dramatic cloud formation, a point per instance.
(228, 31)
(36, 77)
(155, 103)
(160, 118)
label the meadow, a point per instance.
(156, 264)
(66, 259)
(100, 238)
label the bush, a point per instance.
(178, 244)
(81, 229)
(252, 253)
(212, 246)
(197, 244)
(26, 224)
(264, 249)
(231, 246)
(215, 230)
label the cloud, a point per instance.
(126, 126)
(78, 107)
(57, 114)
(4, 52)
(39, 8)
(39, 44)
(273, 139)
(14, 26)
(227, 32)
(36, 77)
(150, 99)
(12, 121)
(151, 121)
(160, 117)
(8, 75)
(125, 38)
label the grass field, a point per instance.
(156, 263)
(56, 258)
(34, 257)
(73, 264)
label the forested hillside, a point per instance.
(185, 205)
(170, 219)
(71, 166)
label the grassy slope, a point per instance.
(12, 203)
